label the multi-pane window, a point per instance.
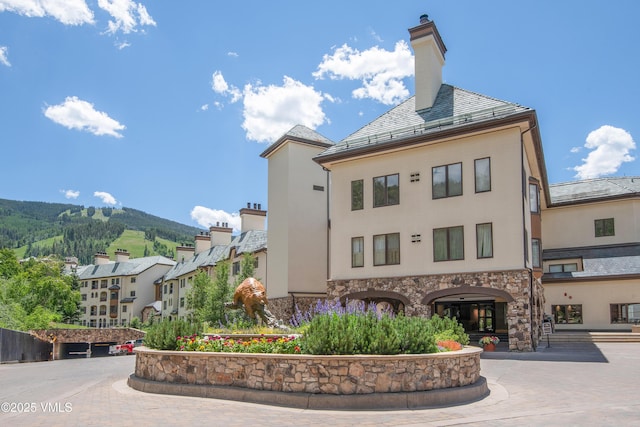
(357, 252)
(484, 240)
(568, 314)
(483, 174)
(114, 296)
(534, 198)
(104, 283)
(357, 195)
(563, 268)
(103, 310)
(113, 309)
(84, 297)
(94, 310)
(448, 243)
(447, 181)
(124, 308)
(181, 301)
(386, 190)
(604, 227)
(94, 284)
(536, 259)
(386, 249)
(625, 313)
(103, 296)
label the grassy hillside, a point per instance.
(40, 229)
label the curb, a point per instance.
(375, 401)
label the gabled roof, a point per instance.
(590, 190)
(128, 268)
(299, 133)
(453, 108)
(597, 262)
(248, 242)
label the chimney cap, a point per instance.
(424, 18)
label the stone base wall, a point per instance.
(284, 308)
(523, 319)
(335, 375)
(89, 335)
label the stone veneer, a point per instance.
(524, 313)
(335, 375)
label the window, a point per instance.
(133, 293)
(124, 308)
(483, 175)
(625, 313)
(484, 240)
(181, 301)
(563, 268)
(165, 289)
(448, 244)
(94, 310)
(114, 296)
(357, 195)
(94, 284)
(534, 198)
(164, 305)
(386, 190)
(104, 283)
(447, 181)
(103, 310)
(535, 253)
(604, 227)
(115, 281)
(170, 288)
(568, 314)
(357, 252)
(133, 280)
(84, 297)
(386, 249)
(236, 268)
(103, 296)
(113, 309)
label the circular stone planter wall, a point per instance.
(315, 382)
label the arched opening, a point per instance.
(383, 300)
(479, 309)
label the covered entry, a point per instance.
(479, 309)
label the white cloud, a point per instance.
(576, 149)
(122, 45)
(204, 107)
(610, 147)
(233, 54)
(380, 71)
(68, 12)
(75, 113)
(106, 198)
(3, 56)
(220, 86)
(127, 15)
(70, 194)
(209, 217)
(270, 111)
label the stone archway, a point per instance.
(466, 289)
(386, 300)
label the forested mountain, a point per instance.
(73, 230)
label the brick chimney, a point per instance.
(184, 253)
(220, 234)
(429, 50)
(101, 258)
(203, 242)
(252, 218)
(122, 255)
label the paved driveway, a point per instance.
(569, 384)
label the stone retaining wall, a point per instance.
(333, 375)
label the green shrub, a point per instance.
(368, 333)
(162, 335)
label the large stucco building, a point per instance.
(442, 205)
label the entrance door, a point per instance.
(475, 316)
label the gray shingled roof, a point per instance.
(590, 189)
(299, 133)
(248, 242)
(453, 107)
(128, 268)
(600, 261)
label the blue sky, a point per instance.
(165, 106)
